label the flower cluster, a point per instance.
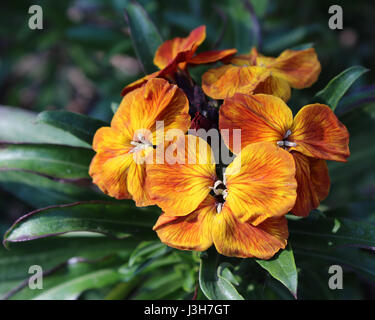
(161, 147)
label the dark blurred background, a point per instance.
(83, 57)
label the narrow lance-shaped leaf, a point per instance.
(79, 125)
(20, 126)
(283, 268)
(358, 99)
(338, 86)
(145, 36)
(72, 288)
(334, 232)
(54, 255)
(116, 219)
(40, 191)
(213, 284)
(53, 160)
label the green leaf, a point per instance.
(39, 191)
(363, 211)
(145, 36)
(333, 231)
(356, 100)
(71, 289)
(115, 219)
(52, 255)
(17, 125)
(283, 268)
(360, 261)
(212, 282)
(332, 240)
(52, 160)
(79, 125)
(338, 86)
(147, 250)
(160, 285)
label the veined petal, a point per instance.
(212, 56)
(183, 178)
(320, 177)
(260, 118)
(190, 232)
(225, 81)
(245, 59)
(300, 68)
(112, 141)
(167, 72)
(109, 167)
(234, 238)
(261, 183)
(168, 50)
(313, 183)
(274, 86)
(140, 82)
(136, 185)
(157, 100)
(110, 172)
(318, 133)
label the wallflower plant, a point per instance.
(210, 166)
(243, 215)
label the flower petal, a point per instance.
(225, 81)
(168, 50)
(212, 56)
(234, 238)
(136, 185)
(261, 183)
(182, 179)
(157, 100)
(110, 173)
(318, 133)
(300, 68)
(190, 232)
(274, 86)
(166, 72)
(110, 140)
(140, 82)
(260, 118)
(313, 183)
(110, 165)
(245, 59)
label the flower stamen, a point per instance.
(140, 143)
(285, 143)
(221, 193)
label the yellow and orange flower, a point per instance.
(313, 136)
(178, 53)
(243, 215)
(117, 167)
(254, 73)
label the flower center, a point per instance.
(220, 192)
(140, 143)
(285, 143)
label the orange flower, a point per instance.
(254, 73)
(117, 167)
(243, 215)
(314, 135)
(178, 53)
